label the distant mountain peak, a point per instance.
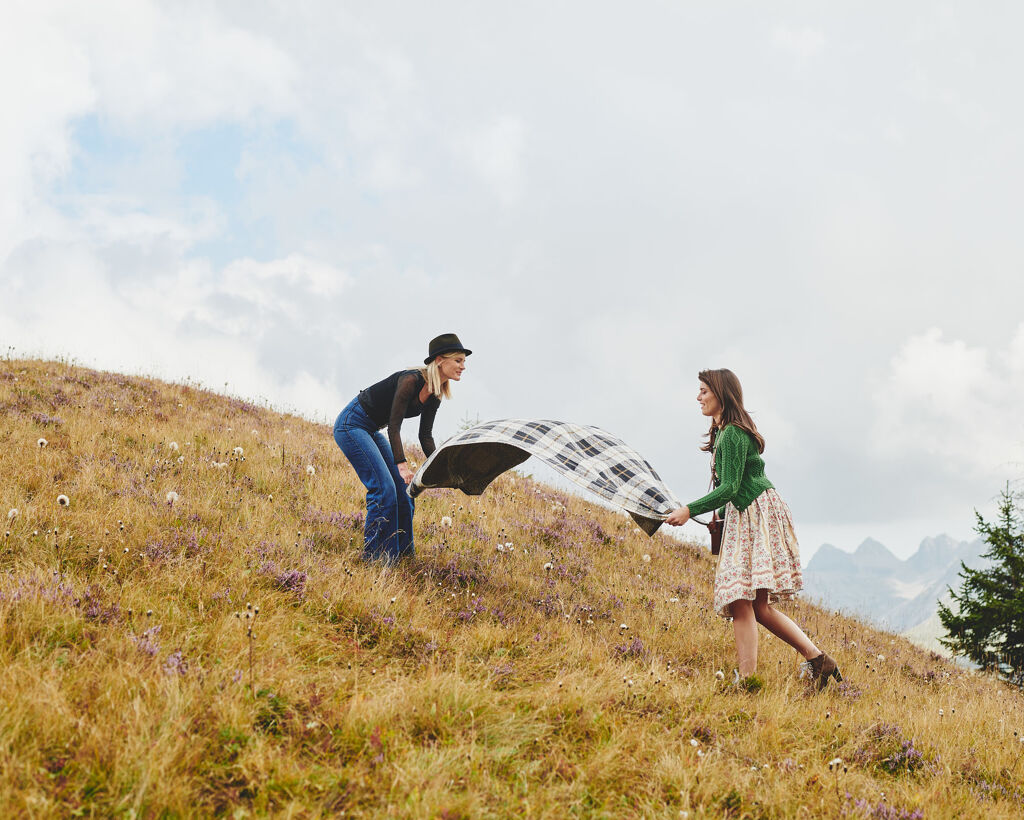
(934, 551)
(876, 553)
(828, 558)
(874, 583)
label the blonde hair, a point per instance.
(432, 375)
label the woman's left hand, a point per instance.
(678, 517)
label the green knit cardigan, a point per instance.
(740, 471)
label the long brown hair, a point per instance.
(726, 387)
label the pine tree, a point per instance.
(989, 626)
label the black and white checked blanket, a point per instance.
(587, 456)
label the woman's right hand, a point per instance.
(678, 517)
(405, 472)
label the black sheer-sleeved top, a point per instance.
(391, 400)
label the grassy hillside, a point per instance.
(569, 673)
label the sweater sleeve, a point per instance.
(730, 457)
(405, 392)
(427, 425)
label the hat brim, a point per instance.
(443, 350)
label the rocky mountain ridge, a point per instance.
(901, 595)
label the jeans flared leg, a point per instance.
(361, 449)
(406, 507)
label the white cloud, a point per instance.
(105, 219)
(276, 329)
(157, 65)
(804, 42)
(142, 66)
(44, 82)
(956, 404)
(297, 273)
(496, 152)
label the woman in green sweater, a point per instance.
(759, 562)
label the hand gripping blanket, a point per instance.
(587, 456)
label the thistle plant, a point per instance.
(248, 619)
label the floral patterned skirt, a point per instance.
(759, 551)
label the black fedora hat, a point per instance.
(445, 343)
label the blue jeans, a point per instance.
(389, 509)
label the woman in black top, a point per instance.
(380, 463)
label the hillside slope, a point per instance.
(570, 673)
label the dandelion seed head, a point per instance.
(548, 566)
(238, 451)
(694, 742)
(12, 513)
(63, 500)
(310, 469)
(172, 497)
(720, 675)
(172, 446)
(42, 443)
(446, 520)
(647, 558)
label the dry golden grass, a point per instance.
(468, 682)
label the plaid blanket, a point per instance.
(587, 456)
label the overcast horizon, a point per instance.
(287, 202)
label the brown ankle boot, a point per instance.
(820, 669)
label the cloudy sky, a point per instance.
(287, 200)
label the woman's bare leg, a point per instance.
(744, 628)
(781, 627)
